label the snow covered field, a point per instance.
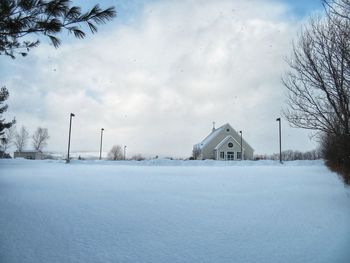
(163, 211)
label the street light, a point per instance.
(279, 121)
(241, 146)
(101, 142)
(124, 151)
(70, 129)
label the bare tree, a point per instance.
(318, 83)
(7, 140)
(40, 138)
(196, 152)
(319, 77)
(21, 139)
(116, 153)
(339, 8)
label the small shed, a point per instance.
(32, 155)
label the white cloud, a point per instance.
(157, 84)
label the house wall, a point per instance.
(224, 148)
(208, 151)
(248, 154)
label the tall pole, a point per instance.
(124, 151)
(70, 130)
(101, 142)
(279, 122)
(241, 146)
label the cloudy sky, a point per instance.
(159, 74)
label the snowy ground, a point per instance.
(163, 211)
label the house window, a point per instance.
(239, 155)
(230, 145)
(227, 130)
(230, 156)
(222, 155)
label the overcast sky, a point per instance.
(161, 73)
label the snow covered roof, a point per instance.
(211, 136)
(29, 151)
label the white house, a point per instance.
(223, 143)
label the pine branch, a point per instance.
(19, 18)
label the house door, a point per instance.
(230, 156)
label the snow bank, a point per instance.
(172, 211)
(169, 162)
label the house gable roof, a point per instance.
(210, 137)
(217, 132)
(213, 135)
(225, 140)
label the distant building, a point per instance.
(33, 155)
(223, 143)
(4, 155)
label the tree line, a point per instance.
(117, 153)
(290, 155)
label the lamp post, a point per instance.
(279, 122)
(101, 142)
(124, 151)
(241, 146)
(70, 130)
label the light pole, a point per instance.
(124, 151)
(101, 142)
(70, 130)
(241, 146)
(279, 121)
